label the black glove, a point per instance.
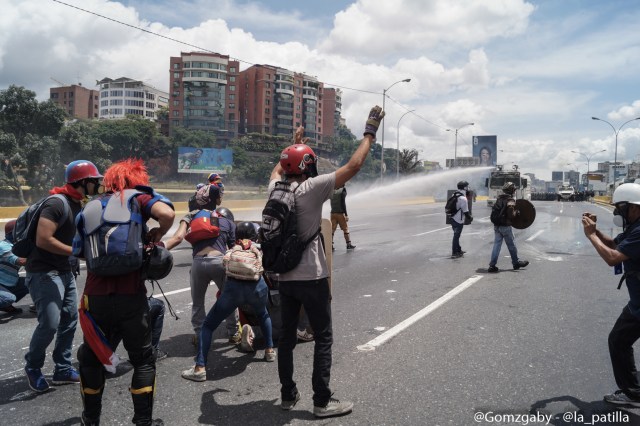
(373, 122)
(469, 217)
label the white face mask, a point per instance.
(618, 221)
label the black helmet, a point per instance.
(225, 212)
(246, 231)
(160, 263)
(463, 184)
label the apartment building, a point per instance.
(125, 96)
(275, 101)
(204, 93)
(76, 100)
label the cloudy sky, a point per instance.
(531, 72)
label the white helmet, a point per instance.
(629, 192)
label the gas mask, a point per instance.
(620, 214)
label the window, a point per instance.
(267, 102)
(71, 94)
(232, 97)
(116, 93)
(232, 78)
(232, 116)
(176, 113)
(232, 106)
(232, 69)
(232, 88)
(176, 122)
(176, 66)
(176, 103)
(104, 103)
(267, 111)
(267, 85)
(54, 95)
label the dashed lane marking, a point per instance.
(536, 235)
(429, 232)
(381, 339)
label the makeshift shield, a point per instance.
(527, 214)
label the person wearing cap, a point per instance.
(12, 286)
(50, 280)
(458, 219)
(307, 284)
(505, 206)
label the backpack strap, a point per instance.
(155, 197)
(65, 203)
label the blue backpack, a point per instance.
(111, 234)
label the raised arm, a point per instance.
(353, 166)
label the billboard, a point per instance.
(204, 160)
(485, 149)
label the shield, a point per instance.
(527, 214)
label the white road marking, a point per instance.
(536, 235)
(555, 220)
(372, 344)
(429, 214)
(391, 291)
(429, 232)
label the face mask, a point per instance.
(618, 221)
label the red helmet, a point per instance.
(80, 169)
(299, 159)
(214, 178)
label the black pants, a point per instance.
(621, 339)
(315, 297)
(123, 317)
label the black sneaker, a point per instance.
(11, 310)
(350, 246)
(160, 354)
(457, 255)
(520, 264)
(493, 269)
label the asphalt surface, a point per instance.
(513, 346)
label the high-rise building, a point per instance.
(275, 101)
(204, 93)
(557, 176)
(125, 96)
(76, 100)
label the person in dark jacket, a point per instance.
(339, 216)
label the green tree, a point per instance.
(409, 162)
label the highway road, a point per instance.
(419, 338)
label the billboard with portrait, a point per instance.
(485, 149)
(204, 160)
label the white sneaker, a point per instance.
(333, 408)
(305, 336)
(246, 344)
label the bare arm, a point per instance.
(164, 214)
(46, 241)
(349, 170)
(278, 171)
(177, 237)
(604, 245)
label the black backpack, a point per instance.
(24, 233)
(281, 246)
(499, 212)
(451, 207)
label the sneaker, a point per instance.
(493, 269)
(619, 398)
(333, 408)
(333, 248)
(32, 309)
(37, 382)
(246, 344)
(236, 338)
(11, 310)
(66, 377)
(160, 354)
(457, 255)
(350, 246)
(288, 405)
(520, 264)
(305, 336)
(270, 355)
(191, 374)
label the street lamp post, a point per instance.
(588, 157)
(384, 97)
(398, 144)
(455, 150)
(615, 155)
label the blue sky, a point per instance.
(531, 72)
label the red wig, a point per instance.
(125, 174)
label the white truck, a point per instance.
(498, 177)
(566, 192)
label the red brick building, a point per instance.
(77, 101)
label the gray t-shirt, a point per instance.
(310, 196)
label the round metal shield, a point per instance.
(527, 214)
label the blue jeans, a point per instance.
(503, 233)
(54, 294)
(11, 295)
(457, 230)
(235, 294)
